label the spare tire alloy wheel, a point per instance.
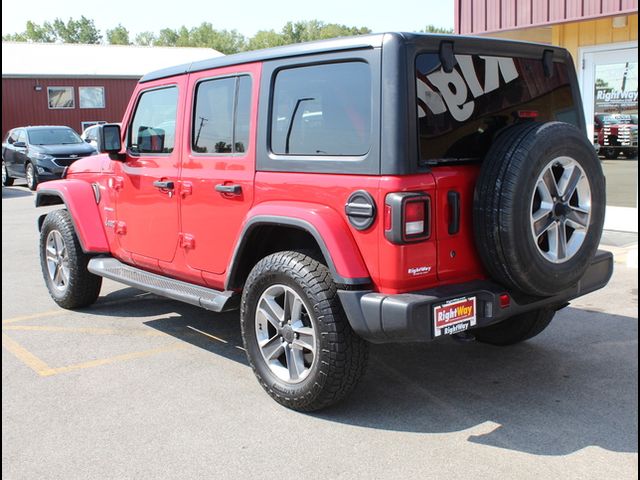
(285, 333)
(560, 209)
(539, 207)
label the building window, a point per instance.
(61, 97)
(91, 97)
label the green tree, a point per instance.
(118, 36)
(433, 29)
(167, 37)
(76, 31)
(146, 39)
(33, 33)
(265, 39)
(306, 31)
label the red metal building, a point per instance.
(77, 85)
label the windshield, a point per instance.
(53, 136)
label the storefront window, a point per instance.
(616, 129)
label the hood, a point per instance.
(81, 149)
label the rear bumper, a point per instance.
(408, 317)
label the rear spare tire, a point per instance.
(539, 207)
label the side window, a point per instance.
(12, 137)
(22, 136)
(322, 110)
(221, 115)
(153, 126)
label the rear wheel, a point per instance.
(298, 341)
(32, 176)
(7, 181)
(64, 264)
(515, 329)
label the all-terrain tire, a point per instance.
(504, 200)
(64, 264)
(515, 329)
(340, 355)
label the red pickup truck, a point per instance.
(384, 188)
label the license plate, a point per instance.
(454, 316)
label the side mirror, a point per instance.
(109, 139)
(19, 144)
(88, 140)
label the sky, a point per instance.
(245, 16)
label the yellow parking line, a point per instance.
(95, 331)
(207, 334)
(30, 317)
(119, 358)
(44, 370)
(26, 357)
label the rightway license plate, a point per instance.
(454, 316)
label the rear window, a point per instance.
(322, 110)
(460, 112)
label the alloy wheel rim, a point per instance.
(30, 175)
(285, 333)
(57, 258)
(560, 210)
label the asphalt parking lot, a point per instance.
(142, 387)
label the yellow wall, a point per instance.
(593, 32)
(577, 34)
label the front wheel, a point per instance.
(298, 341)
(32, 176)
(516, 329)
(64, 264)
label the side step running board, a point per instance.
(167, 287)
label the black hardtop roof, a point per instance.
(320, 46)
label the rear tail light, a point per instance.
(505, 300)
(407, 217)
(414, 218)
(527, 114)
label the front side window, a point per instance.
(322, 110)
(153, 126)
(91, 97)
(221, 116)
(60, 97)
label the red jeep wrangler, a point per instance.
(384, 188)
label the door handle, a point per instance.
(166, 185)
(230, 189)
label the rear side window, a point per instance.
(221, 115)
(322, 110)
(153, 127)
(460, 112)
